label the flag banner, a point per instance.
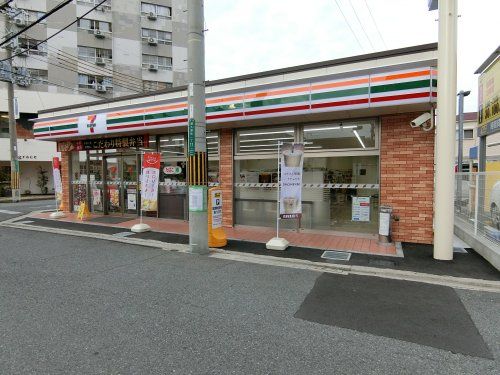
(292, 159)
(150, 179)
(56, 171)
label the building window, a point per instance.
(259, 140)
(91, 53)
(87, 24)
(158, 10)
(104, 6)
(162, 37)
(468, 134)
(39, 76)
(159, 62)
(339, 136)
(31, 16)
(91, 82)
(32, 48)
(155, 85)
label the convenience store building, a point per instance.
(353, 115)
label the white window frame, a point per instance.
(93, 57)
(155, 35)
(155, 8)
(29, 44)
(106, 5)
(95, 23)
(145, 65)
(88, 85)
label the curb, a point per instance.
(450, 281)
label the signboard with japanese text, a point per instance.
(56, 170)
(172, 169)
(292, 159)
(92, 124)
(489, 100)
(191, 137)
(149, 179)
(197, 198)
(131, 141)
(216, 200)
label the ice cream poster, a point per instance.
(56, 170)
(150, 177)
(292, 160)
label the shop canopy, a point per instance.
(393, 81)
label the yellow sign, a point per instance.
(216, 233)
(83, 211)
(489, 94)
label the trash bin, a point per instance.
(384, 225)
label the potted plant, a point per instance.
(43, 180)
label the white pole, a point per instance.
(278, 197)
(445, 131)
(476, 204)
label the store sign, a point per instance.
(56, 170)
(172, 169)
(191, 137)
(360, 208)
(489, 99)
(216, 200)
(292, 159)
(131, 141)
(150, 178)
(92, 124)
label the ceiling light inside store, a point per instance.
(329, 128)
(212, 136)
(311, 147)
(266, 139)
(265, 133)
(359, 138)
(259, 150)
(179, 145)
(173, 152)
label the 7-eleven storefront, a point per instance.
(352, 115)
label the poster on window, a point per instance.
(96, 197)
(360, 208)
(292, 159)
(56, 171)
(150, 179)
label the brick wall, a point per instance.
(407, 177)
(24, 133)
(65, 177)
(226, 175)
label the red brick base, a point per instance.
(226, 175)
(66, 180)
(407, 177)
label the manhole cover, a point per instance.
(336, 255)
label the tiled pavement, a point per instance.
(355, 243)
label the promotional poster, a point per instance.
(292, 160)
(150, 177)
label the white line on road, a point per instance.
(123, 234)
(10, 212)
(25, 222)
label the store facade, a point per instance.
(352, 115)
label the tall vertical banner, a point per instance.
(292, 160)
(56, 172)
(150, 179)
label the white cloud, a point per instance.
(248, 36)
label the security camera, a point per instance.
(420, 120)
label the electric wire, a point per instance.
(348, 24)
(360, 24)
(375, 23)
(26, 28)
(60, 30)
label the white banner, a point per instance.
(92, 124)
(292, 159)
(56, 171)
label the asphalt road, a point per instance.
(10, 210)
(71, 305)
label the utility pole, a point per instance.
(460, 156)
(445, 131)
(197, 144)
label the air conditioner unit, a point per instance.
(152, 41)
(100, 88)
(20, 22)
(21, 52)
(153, 67)
(100, 61)
(152, 16)
(99, 34)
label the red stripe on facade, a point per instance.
(277, 110)
(225, 115)
(42, 135)
(340, 103)
(400, 97)
(434, 94)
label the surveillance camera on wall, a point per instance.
(420, 120)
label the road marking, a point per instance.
(10, 212)
(25, 222)
(123, 234)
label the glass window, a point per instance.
(161, 62)
(33, 46)
(90, 81)
(262, 140)
(155, 85)
(94, 25)
(337, 136)
(79, 177)
(468, 133)
(158, 10)
(172, 145)
(162, 37)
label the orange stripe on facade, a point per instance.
(45, 123)
(147, 110)
(277, 92)
(350, 82)
(401, 76)
(225, 99)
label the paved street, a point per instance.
(10, 210)
(72, 305)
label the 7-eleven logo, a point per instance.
(91, 122)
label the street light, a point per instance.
(460, 157)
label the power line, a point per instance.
(49, 13)
(375, 23)
(360, 24)
(348, 24)
(59, 31)
(6, 3)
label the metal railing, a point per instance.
(477, 203)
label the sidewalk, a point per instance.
(28, 198)
(413, 257)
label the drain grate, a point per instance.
(336, 255)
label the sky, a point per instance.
(249, 36)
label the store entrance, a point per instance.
(119, 190)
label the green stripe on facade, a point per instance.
(224, 107)
(400, 86)
(41, 130)
(277, 101)
(155, 116)
(434, 83)
(124, 119)
(63, 127)
(340, 93)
